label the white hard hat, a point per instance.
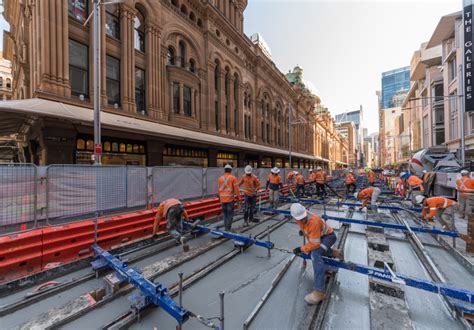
(248, 169)
(311, 170)
(356, 194)
(275, 170)
(419, 199)
(464, 172)
(298, 211)
(319, 168)
(227, 167)
(402, 174)
(425, 171)
(296, 172)
(351, 170)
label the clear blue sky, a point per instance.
(344, 46)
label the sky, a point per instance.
(344, 46)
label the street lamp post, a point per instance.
(96, 84)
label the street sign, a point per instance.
(98, 149)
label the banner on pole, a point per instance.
(468, 55)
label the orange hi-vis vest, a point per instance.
(274, 181)
(320, 177)
(312, 177)
(290, 175)
(350, 178)
(162, 212)
(371, 177)
(415, 182)
(228, 188)
(465, 186)
(251, 184)
(432, 205)
(365, 195)
(313, 230)
(299, 179)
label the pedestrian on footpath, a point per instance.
(436, 207)
(228, 190)
(350, 182)
(465, 188)
(368, 194)
(273, 186)
(320, 177)
(172, 210)
(251, 185)
(320, 238)
(300, 182)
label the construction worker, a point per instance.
(228, 190)
(299, 180)
(320, 238)
(273, 185)
(415, 186)
(436, 206)
(320, 177)
(290, 180)
(312, 180)
(350, 182)
(371, 177)
(251, 185)
(370, 193)
(465, 188)
(173, 211)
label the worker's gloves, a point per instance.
(300, 233)
(297, 251)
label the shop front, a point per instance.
(224, 158)
(184, 156)
(115, 151)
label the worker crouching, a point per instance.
(320, 238)
(368, 194)
(173, 211)
(436, 207)
(251, 185)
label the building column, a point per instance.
(222, 102)
(181, 98)
(231, 106)
(163, 107)
(127, 63)
(240, 110)
(211, 97)
(152, 51)
(170, 109)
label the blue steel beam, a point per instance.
(426, 285)
(418, 229)
(384, 207)
(154, 292)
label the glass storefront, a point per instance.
(182, 156)
(224, 158)
(278, 162)
(266, 162)
(114, 152)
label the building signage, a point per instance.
(468, 56)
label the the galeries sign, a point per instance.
(468, 54)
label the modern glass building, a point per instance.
(393, 82)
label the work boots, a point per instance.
(314, 297)
(338, 254)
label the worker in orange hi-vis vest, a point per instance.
(290, 180)
(371, 177)
(312, 179)
(368, 194)
(250, 184)
(299, 180)
(228, 190)
(350, 182)
(274, 184)
(320, 177)
(436, 207)
(172, 210)
(465, 188)
(415, 186)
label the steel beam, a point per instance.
(383, 207)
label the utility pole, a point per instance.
(96, 84)
(461, 101)
(289, 133)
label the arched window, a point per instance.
(9, 83)
(227, 98)
(90, 145)
(192, 17)
(171, 56)
(1, 81)
(182, 53)
(139, 26)
(81, 144)
(236, 103)
(192, 65)
(107, 146)
(199, 22)
(175, 3)
(184, 9)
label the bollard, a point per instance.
(180, 289)
(221, 296)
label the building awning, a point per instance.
(46, 108)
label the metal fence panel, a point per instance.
(262, 174)
(176, 182)
(212, 175)
(18, 188)
(79, 190)
(136, 186)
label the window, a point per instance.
(187, 101)
(192, 17)
(471, 118)
(452, 69)
(78, 68)
(113, 80)
(140, 90)
(175, 3)
(192, 66)
(176, 98)
(139, 32)
(171, 56)
(1, 81)
(78, 9)
(453, 117)
(182, 54)
(112, 21)
(199, 22)
(9, 83)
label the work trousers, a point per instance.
(446, 216)
(319, 268)
(350, 188)
(228, 213)
(375, 194)
(174, 224)
(249, 207)
(299, 190)
(466, 205)
(321, 189)
(415, 193)
(274, 196)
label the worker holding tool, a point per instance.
(228, 190)
(371, 177)
(415, 186)
(299, 179)
(370, 193)
(320, 177)
(173, 211)
(320, 238)
(312, 180)
(251, 185)
(465, 188)
(350, 182)
(437, 206)
(273, 186)
(290, 180)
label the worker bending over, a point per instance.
(251, 185)
(436, 207)
(415, 186)
(350, 182)
(299, 179)
(320, 238)
(312, 180)
(320, 177)
(290, 180)
(465, 188)
(273, 185)
(228, 190)
(370, 193)
(173, 211)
